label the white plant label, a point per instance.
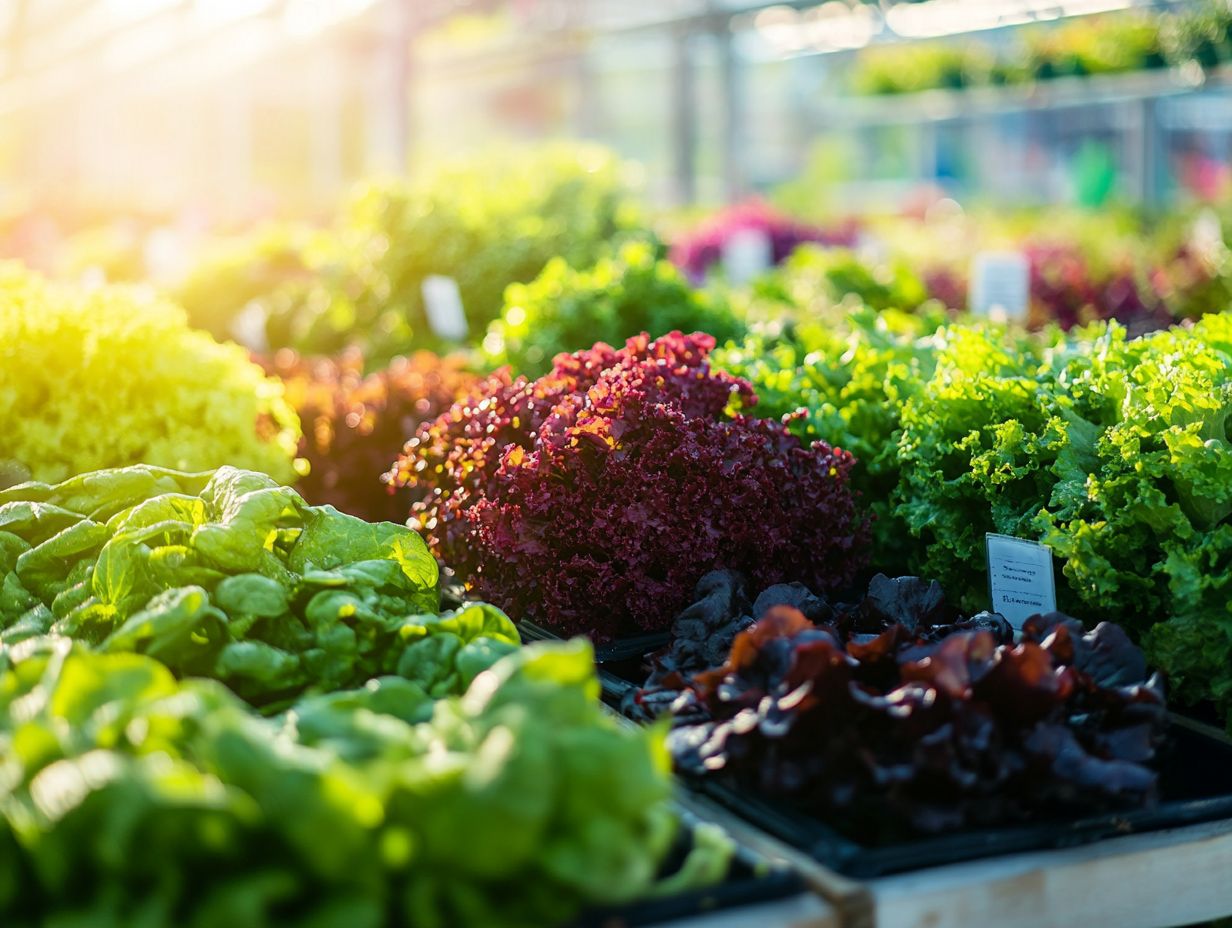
(747, 253)
(1206, 237)
(248, 328)
(871, 247)
(1020, 578)
(1000, 285)
(443, 304)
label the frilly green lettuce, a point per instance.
(1113, 451)
(1116, 453)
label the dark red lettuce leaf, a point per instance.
(897, 715)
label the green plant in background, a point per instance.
(131, 798)
(1101, 45)
(110, 377)
(630, 291)
(1204, 36)
(283, 270)
(1112, 44)
(486, 223)
(895, 69)
(815, 279)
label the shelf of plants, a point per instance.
(939, 104)
(1091, 59)
(307, 635)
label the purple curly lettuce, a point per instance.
(594, 499)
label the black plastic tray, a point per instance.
(1195, 786)
(751, 880)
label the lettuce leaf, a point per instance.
(133, 798)
(231, 576)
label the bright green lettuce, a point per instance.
(629, 291)
(130, 798)
(1114, 451)
(973, 449)
(368, 762)
(229, 575)
(108, 376)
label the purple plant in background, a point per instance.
(1065, 289)
(947, 285)
(697, 252)
(1068, 291)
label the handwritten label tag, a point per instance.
(1000, 285)
(747, 253)
(1020, 578)
(443, 304)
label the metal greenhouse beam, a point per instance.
(684, 118)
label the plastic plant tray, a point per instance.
(1195, 786)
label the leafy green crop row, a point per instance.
(627, 292)
(230, 576)
(131, 799)
(222, 706)
(1117, 43)
(487, 222)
